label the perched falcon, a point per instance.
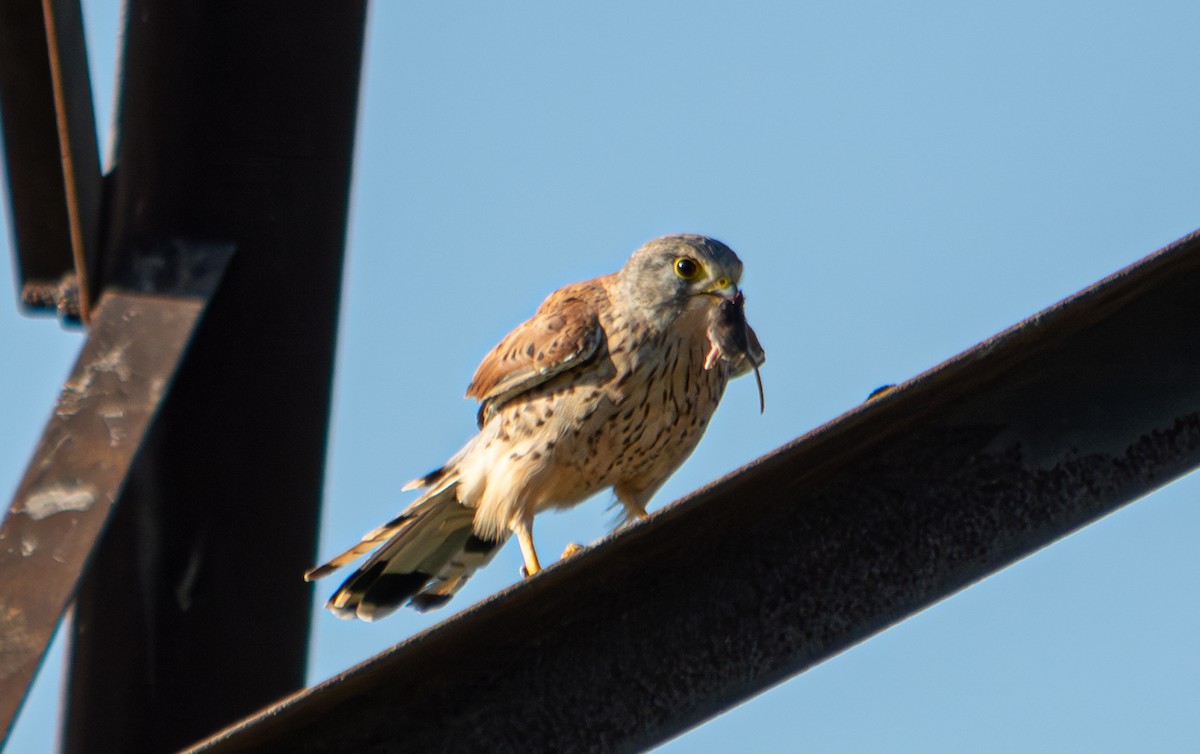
(610, 384)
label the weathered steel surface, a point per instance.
(137, 339)
(236, 128)
(236, 124)
(818, 545)
(51, 153)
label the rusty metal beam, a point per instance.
(818, 545)
(237, 125)
(137, 340)
(51, 153)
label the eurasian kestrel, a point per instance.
(606, 386)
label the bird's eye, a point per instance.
(686, 268)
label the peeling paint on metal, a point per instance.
(114, 420)
(114, 362)
(57, 498)
(77, 390)
(157, 386)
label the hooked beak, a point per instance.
(723, 287)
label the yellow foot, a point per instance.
(570, 550)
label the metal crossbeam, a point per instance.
(237, 125)
(795, 557)
(236, 130)
(136, 343)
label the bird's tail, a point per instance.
(425, 555)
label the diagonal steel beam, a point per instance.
(236, 123)
(808, 550)
(138, 338)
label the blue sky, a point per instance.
(900, 181)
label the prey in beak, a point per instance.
(734, 341)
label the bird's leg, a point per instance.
(633, 503)
(524, 530)
(634, 510)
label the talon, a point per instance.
(570, 550)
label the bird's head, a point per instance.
(668, 274)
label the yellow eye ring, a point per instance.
(687, 268)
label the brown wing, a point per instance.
(564, 333)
